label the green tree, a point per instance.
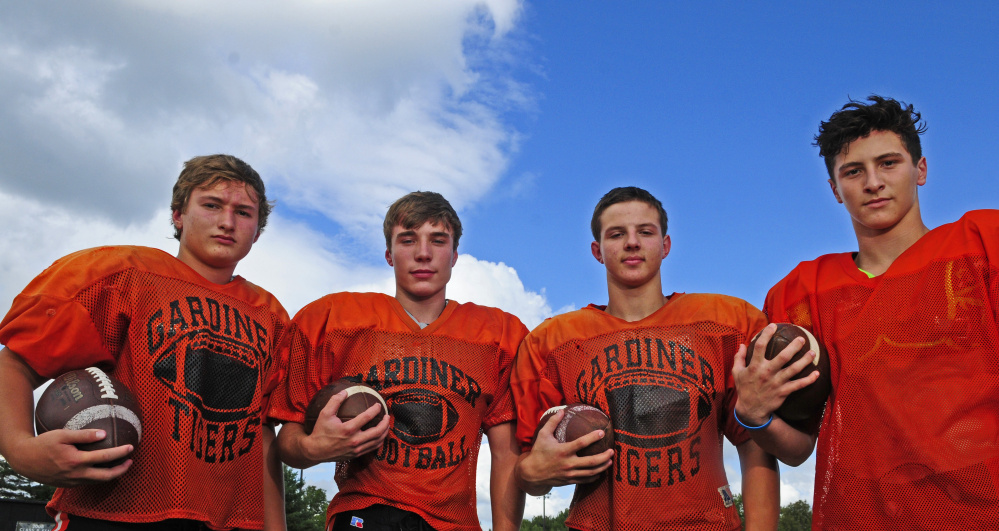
(795, 516)
(550, 523)
(740, 509)
(14, 486)
(304, 506)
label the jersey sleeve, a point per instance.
(502, 408)
(749, 321)
(986, 224)
(72, 315)
(277, 369)
(301, 376)
(788, 300)
(533, 393)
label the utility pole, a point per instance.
(544, 517)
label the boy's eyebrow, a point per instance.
(640, 225)
(436, 234)
(883, 156)
(218, 199)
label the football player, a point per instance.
(910, 431)
(660, 366)
(194, 343)
(443, 367)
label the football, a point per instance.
(580, 419)
(359, 398)
(90, 399)
(808, 403)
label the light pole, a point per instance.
(544, 517)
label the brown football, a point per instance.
(808, 403)
(90, 399)
(359, 398)
(580, 419)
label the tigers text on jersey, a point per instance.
(910, 436)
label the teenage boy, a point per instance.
(442, 367)
(660, 366)
(195, 344)
(910, 431)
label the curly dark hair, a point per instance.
(857, 120)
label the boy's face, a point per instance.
(218, 226)
(632, 245)
(422, 259)
(877, 181)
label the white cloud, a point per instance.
(342, 106)
(498, 285)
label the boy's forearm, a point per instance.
(506, 498)
(274, 513)
(17, 384)
(760, 487)
(788, 444)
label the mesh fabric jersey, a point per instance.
(196, 355)
(910, 436)
(444, 384)
(666, 383)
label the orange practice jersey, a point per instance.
(910, 436)
(197, 356)
(444, 385)
(666, 383)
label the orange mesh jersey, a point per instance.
(910, 436)
(666, 383)
(198, 357)
(444, 385)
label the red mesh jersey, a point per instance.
(197, 356)
(910, 437)
(444, 385)
(666, 383)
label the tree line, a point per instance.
(305, 505)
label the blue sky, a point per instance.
(522, 113)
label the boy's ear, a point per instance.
(595, 249)
(388, 257)
(832, 184)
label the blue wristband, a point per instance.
(760, 427)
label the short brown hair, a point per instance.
(624, 194)
(414, 209)
(207, 171)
